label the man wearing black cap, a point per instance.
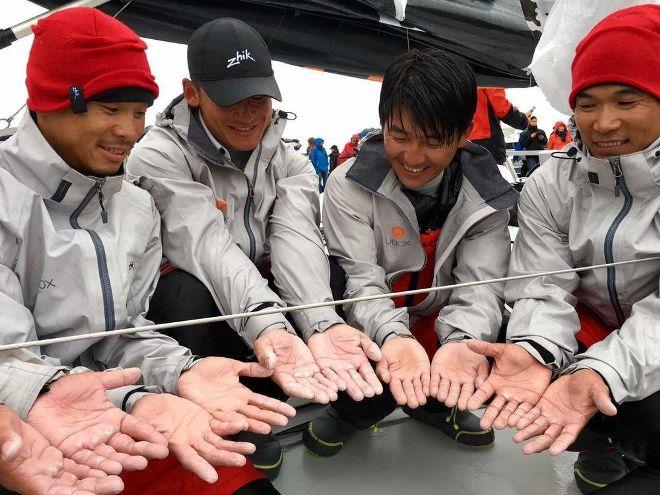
(239, 208)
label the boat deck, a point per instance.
(407, 457)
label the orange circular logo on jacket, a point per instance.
(398, 232)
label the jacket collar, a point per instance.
(372, 170)
(187, 123)
(32, 160)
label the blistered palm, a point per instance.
(563, 411)
(194, 436)
(38, 468)
(214, 384)
(456, 372)
(77, 418)
(406, 369)
(294, 367)
(516, 380)
(343, 354)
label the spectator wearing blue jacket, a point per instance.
(319, 158)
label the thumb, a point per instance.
(603, 402)
(255, 370)
(382, 370)
(11, 442)
(370, 349)
(119, 378)
(485, 348)
(266, 356)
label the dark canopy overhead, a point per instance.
(356, 37)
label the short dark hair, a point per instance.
(436, 88)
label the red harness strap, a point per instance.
(423, 329)
(167, 476)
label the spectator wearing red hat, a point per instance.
(80, 253)
(597, 333)
(559, 137)
(350, 149)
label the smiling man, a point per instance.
(596, 203)
(420, 206)
(240, 208)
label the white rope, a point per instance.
(270, 311)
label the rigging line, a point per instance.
(270, 311)
(13, 115)
(122, 9)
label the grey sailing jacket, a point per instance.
(272, 216)
(364, 201)
(581, 211)
(67, 269)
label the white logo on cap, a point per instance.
(241, 56)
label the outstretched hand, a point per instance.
(38, 468)
(77, 418)
(563, 411)
(293, 365)
(213, 383)
(516, 379)
(343, 354)
(406, 369)
(455, 373)
(193, 435)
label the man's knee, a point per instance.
(257, 487)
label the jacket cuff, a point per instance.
(455, 335)
(256, 325)
(617, 387)
(315, 320)
(544, 351)
(390, 328)
(24, 382)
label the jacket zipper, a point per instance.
(248, 206)
(102, 263)
(611, 232)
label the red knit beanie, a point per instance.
(80, 52)
(623, 48)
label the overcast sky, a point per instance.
(327, 105)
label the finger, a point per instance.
(243, 448)
(271, 404)
(544, 441)
(364, 387)
(382, 370)
(109, 485)
(484, 392)
(491, 412)
(419, 391)
(95, 461)
(443, 389)
(89, 438)
(370, 377)
(435, 381)
(192, 461)
(352, 389)
(563, 441)
(128, 462)
(119, 378)
(485, 348)
(426, 383)
(452, 396)
(10, 446)
(327, 385)
(502, 420)
(528, 418)
(266, 356)
(141, 430)
(409, 390)
(255, 370)
(322, 394)
(258, 427)
(272, 418)
(538, 427)
(482, 374)
(335, 377)
(522, 410)
(371, 350)
(227, 423)
(121, 442)
(294, 388)
(397, 391)
(80, 471)
(220, 457)
(466, 392)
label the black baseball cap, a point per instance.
(230, 60)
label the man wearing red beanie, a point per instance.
(597, 333)
(80, 253)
